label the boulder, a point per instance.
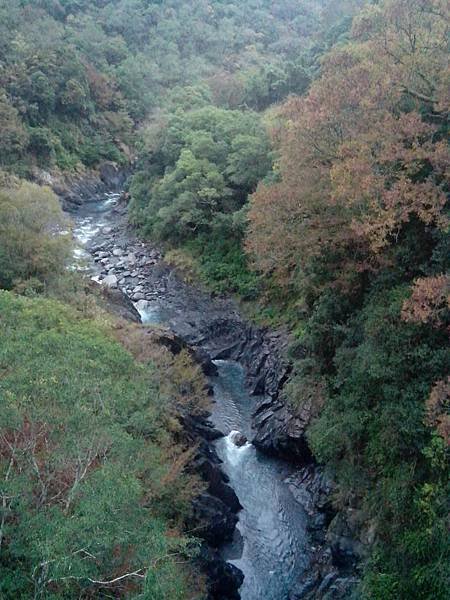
(280, 433)
(118, 303)
(138, 297)
(223, 578)
(212, 520)
(131, 259)
(110, 281)
(238, 438)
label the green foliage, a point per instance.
(203, 165)
(14, 136)
(41, 145)
(33, 242)
(76, 64)
(77, 510)
(52, 85)
(223, 265)
(372, 436)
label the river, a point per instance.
(271, 544)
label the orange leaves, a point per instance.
(358, 159)
(388, 174)
(273, 210)
(429, 302)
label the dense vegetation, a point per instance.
(295, 153)
(355, 234)
(93, 493)
(347, 234)
(193, 183)
(76, 77)
(31, 249)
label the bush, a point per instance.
(223, 266)
(93, 483)
(31, 232)
(41, 144)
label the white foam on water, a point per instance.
(235, 454)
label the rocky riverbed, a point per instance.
(214, 331)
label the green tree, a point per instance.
(33, 233)
(196, 167)
(14, 136)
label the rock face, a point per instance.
(89, 186)
(338, 543)
(112, 176)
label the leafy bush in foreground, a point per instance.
(31, 227)
(91, 483)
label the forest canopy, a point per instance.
(77, 78)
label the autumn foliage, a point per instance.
(429, 302)
(363, 152)
(353, 237)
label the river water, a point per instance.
(271, 523)
(271, 542)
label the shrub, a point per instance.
(31, 233)
(93, 485)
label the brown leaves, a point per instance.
(356, 162)
(429, 302)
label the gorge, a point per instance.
(224, 299)
(283, 507)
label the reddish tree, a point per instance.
(429, 302)
(357, 158)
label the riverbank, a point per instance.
(214, 330)
(78, 188)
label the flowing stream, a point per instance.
(270, 545)
(271, 523)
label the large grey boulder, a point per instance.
(110, 281)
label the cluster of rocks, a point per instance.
(125, 266)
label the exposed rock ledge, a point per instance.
(86, 186)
